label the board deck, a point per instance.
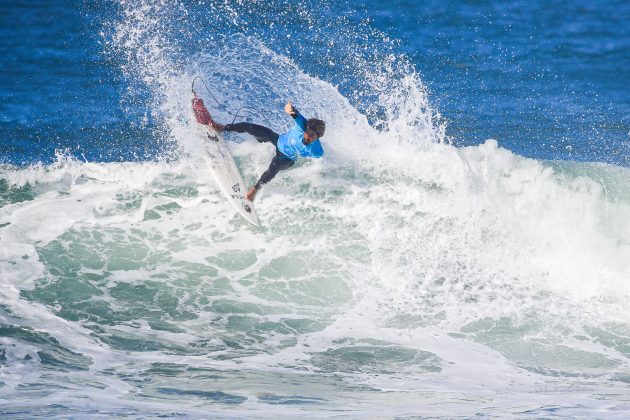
(226, 173)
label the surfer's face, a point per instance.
(309, 136)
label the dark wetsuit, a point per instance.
(291, 143)
(264, 135)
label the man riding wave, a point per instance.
(301, 141)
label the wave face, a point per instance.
(398, 276)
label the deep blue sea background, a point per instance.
(546, 81)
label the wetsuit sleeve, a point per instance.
(299, 119)
(317, 150)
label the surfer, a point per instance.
(301, 141)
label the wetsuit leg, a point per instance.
(264, 135)
(261, 134)
(278, 163)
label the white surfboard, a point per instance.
(226, 173)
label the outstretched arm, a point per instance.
(295, 114)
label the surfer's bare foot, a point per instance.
(251, 194)
(216, 126)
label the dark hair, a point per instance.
(318, 126)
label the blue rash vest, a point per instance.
(290, 143)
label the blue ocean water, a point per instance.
(462, 250)
(545, 82)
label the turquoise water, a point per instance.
(421, 269)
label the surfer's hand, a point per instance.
(289, 108)
(251, 194)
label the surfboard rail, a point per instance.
(222, 165)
